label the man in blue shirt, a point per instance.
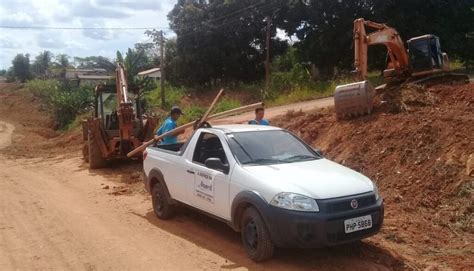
(259, 120)
(170, 124)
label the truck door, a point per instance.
(210, 191)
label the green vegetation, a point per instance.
(191, 113)
(64, 102)
(226, 104)
(223, 41)
(302, 93)
(173, 96)
(227, 48)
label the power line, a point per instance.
(79, 28)
(234, 16)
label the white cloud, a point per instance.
(88, 9)
(77, 13)
(50, 41)
(134, 5)
(8, 43)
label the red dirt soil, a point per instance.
(35, 129)
(421, 157)
(416, 146)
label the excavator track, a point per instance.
(442, 78)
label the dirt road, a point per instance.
(56, 214)
(272, 112)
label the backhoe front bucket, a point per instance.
(354, 99)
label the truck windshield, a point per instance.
(269, 147)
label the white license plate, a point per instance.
(358, 223)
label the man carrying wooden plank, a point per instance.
(170, 124)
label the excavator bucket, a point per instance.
(354, 99)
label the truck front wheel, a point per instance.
(255, 236)
(161, 202)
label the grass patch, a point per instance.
(298, 95)
(310, 91)
(191, 113)
(173, 96)
(63, 101)
(227, 104)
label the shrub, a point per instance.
(64, 102)
(173, 96)
(42, 88)
(226, 104)
(191, 113)
(67, 104)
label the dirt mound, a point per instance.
(418, 146)
(395, 99)
(34, 129)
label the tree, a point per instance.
(324, 27)
(42, 64)
(63, 64)
(62, 60)
(21, 67)
(451, 21)
(135, 60)
(221, 41)
(95, 62)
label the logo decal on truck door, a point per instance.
(204, 186)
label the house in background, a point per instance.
(154, 73)
(87, 77)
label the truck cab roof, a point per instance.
(236, 128)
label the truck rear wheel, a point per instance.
(255, 236)
(95, 155)
(161, 202)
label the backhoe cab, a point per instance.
(419, 63)
(117, 125)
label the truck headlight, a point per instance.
(376, 192)
(295, 202)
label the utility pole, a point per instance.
(267, 58)
(162, 70)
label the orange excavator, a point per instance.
(117, 126)
(422, 61)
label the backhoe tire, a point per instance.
(255, 236)
(95, 155)
(161, 202)
(85, 152)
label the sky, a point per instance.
(77, 14)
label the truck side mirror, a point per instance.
(217, 164)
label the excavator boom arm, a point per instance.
(383, 34)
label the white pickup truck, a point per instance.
(266, 183)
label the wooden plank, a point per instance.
(190, 124)
(211, 107)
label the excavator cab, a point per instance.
(426, 56)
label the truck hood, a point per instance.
(318, 179)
